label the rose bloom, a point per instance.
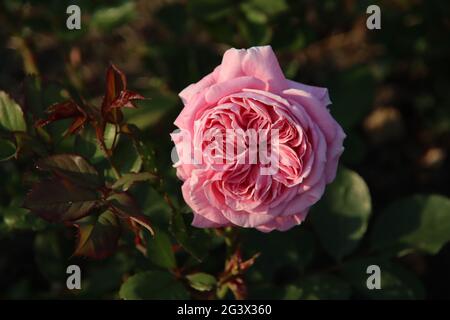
(249, 91)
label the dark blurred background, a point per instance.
(389, 87)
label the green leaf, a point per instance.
(298, 251)
(107, 19)
(266, 7)
(32, 89)
(125, 155)
(97, 235)
(145, 151)
(202, 281)
(7, 149)
(11, 115)
(420, 221)
(396, 281)
(21, 219)
(355, 148)
(29, 145)
(50, 256)
(57, 200)
(124, 203)
(350, 106)
(341, 216)
(153, 285)
(319, 287)
(72, 167)
(150, 111)
(127, 180)
(86, 143)
(192, 241)
(159, 251)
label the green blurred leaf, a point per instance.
(21, 219)
(298, 252)
(419, 221)
(7, 149)
(127, 180)
(58, 200)
(107, 19)
(97, 235)
(256, 9)
(72, 167)
(152, 285)
(355, 148)
(254, 33)
(11, 115)
(33, 96)
(319, 287)
(49, 256)
(209, 10)
(350, 106)
(150, 111)
(202, 281)
(341, 216)
(396, 282)
(159, 250)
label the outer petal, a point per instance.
(190, 91)
(283, 223)
(223, 89)
(262, 63)
(320, 93)
(195, 197)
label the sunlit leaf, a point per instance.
(21, 219)
(11, 115)
(110, 17)
(202, 281)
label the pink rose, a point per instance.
(249, 91)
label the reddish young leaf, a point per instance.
(72, 167)
(125, 99)
(65, 110)
(59, 200)
(97, 235)
(117, 96)
(233, 278)
(126, 207)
